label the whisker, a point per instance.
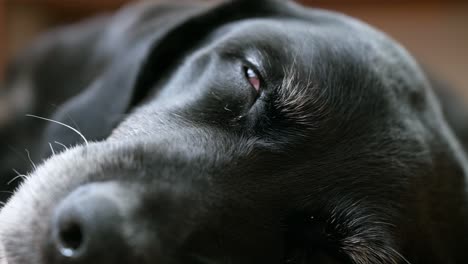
(52, 149)
(61, 144)
(19, 176)
(65, 125)
(15, 171)
(73, 121)
(30, 160)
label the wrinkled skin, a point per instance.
(342, 156)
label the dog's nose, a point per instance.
(88, 226)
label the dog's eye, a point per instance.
(253, 78)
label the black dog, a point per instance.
(246, 132)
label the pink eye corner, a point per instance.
(253, 78)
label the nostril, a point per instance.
(70, 238)
(88, 226)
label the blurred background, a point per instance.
(435, 31)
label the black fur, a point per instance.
(343, 157)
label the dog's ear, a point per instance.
(154, 43)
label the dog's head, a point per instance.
(248, 132)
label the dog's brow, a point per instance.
(295, 99)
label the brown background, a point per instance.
(436, 32)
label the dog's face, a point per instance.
(273, 140)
